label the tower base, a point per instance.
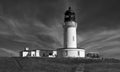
(70, 52)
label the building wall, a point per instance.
(70, 35)
(93, 55)
(33, 53)
(38, 53)
(24, 53)
(71, 53)
(48, 53)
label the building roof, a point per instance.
(36, 49)
(69, 48)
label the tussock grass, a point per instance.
(27, 64)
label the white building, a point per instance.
(30, 53)
(93, 55)
(38, 53)
(48, 53)
(70, 37)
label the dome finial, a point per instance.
(69, 8)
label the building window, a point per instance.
(50, 53)
(43, 54)
(33, 54)
(66, 53)
(73, 38)
(29, 54)
(78, 53)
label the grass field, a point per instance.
(18, 64)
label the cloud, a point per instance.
(11, 52)
(35, 33)
(102, 41)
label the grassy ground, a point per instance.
(103, 67)
(17, 64)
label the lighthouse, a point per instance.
(70, 48)
(70, 27)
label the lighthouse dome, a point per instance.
(69, 15)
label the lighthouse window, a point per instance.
(73, 38)
(78, 53)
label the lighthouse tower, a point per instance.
(70, 37)
(70, 27)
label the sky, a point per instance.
(37, 24)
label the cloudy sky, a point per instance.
(38, 24)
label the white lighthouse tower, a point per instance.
(70, 27)
(70, 37)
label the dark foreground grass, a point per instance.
(102, 67)
(19, 64)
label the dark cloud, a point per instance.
(96, 14)
(42, 10)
